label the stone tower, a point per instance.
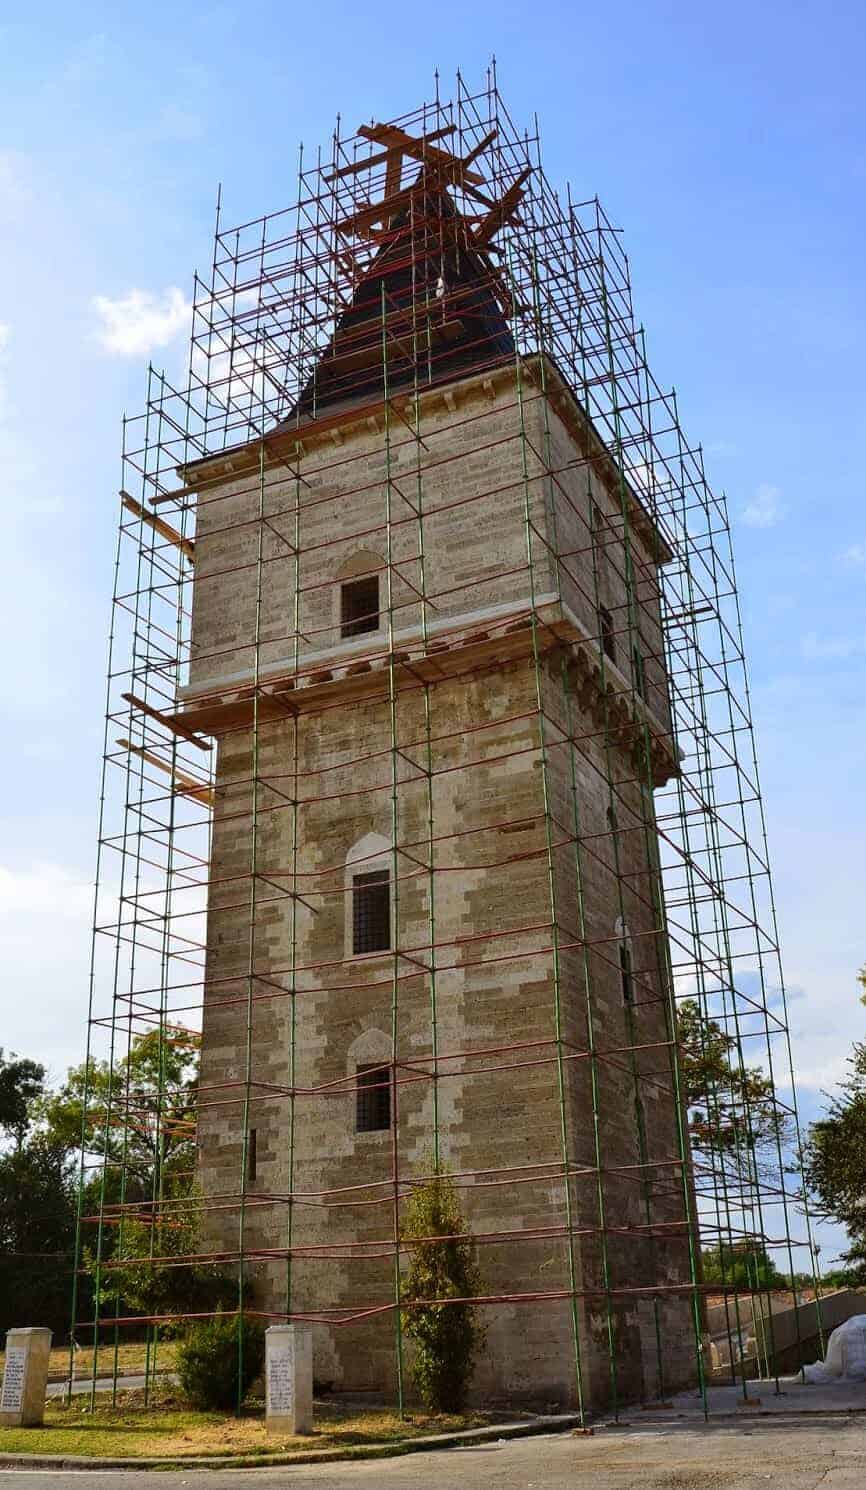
(426, 637)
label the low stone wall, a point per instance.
(785, 1340)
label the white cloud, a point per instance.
(17, 461)
(816, 649)
(856, 554)
(44, 889)
(5, 334)
(819, 1077)
(765, 508)
(45, 918)
(139, 322)
(15, 189)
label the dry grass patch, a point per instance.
(131, 1359)
(168, 1428)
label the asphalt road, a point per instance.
(797, 1454)
(103, 1384)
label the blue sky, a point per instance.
(729, 145)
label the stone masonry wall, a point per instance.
(467, 481)
(528, 926)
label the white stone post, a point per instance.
(289, 1378)
(25, 1377)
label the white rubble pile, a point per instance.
(846, 1354)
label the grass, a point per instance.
(168, 1428)
(131, 1359)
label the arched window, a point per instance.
(358, 594)
(369, 1066)
(368, 896)
(626, 973)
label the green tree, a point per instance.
(135, 1121)
(139, 1115)
(441, 1267)
(150, 1272)
(37, 1229)
(742, 1267)
(140, 1119)
(732, 1108)
(22, 1083)
(835, 1162)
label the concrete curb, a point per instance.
(556, 1424)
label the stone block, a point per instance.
(289, 1378)
(25, 1377)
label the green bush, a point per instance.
(447, 1336)
(208, 1366)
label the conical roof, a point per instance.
(423, 312)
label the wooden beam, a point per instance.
(185, 786)
(450, 167)
(172, 496)
(389, 134)
(357, 166)
(170, 721)
(480, 147)
(164, 529)
(364, 219)
(503, 210)
(393, 172)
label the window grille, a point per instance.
(373, 1099)
(371, 912)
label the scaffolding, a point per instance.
(277, 345)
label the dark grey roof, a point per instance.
(423, 312)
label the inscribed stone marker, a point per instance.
(13, 1379)
(22, 1398)
(289, 1378)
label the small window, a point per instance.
(252, 1155)
(605, 626)
(372, 1099)
(595, 517)
(371, 912)
(626, 977)
(359, 605)
(638, 672)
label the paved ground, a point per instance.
(790, 1396)
(103, 1384)
(797, 1453)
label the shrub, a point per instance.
(208, 1364)
(447, 1336)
